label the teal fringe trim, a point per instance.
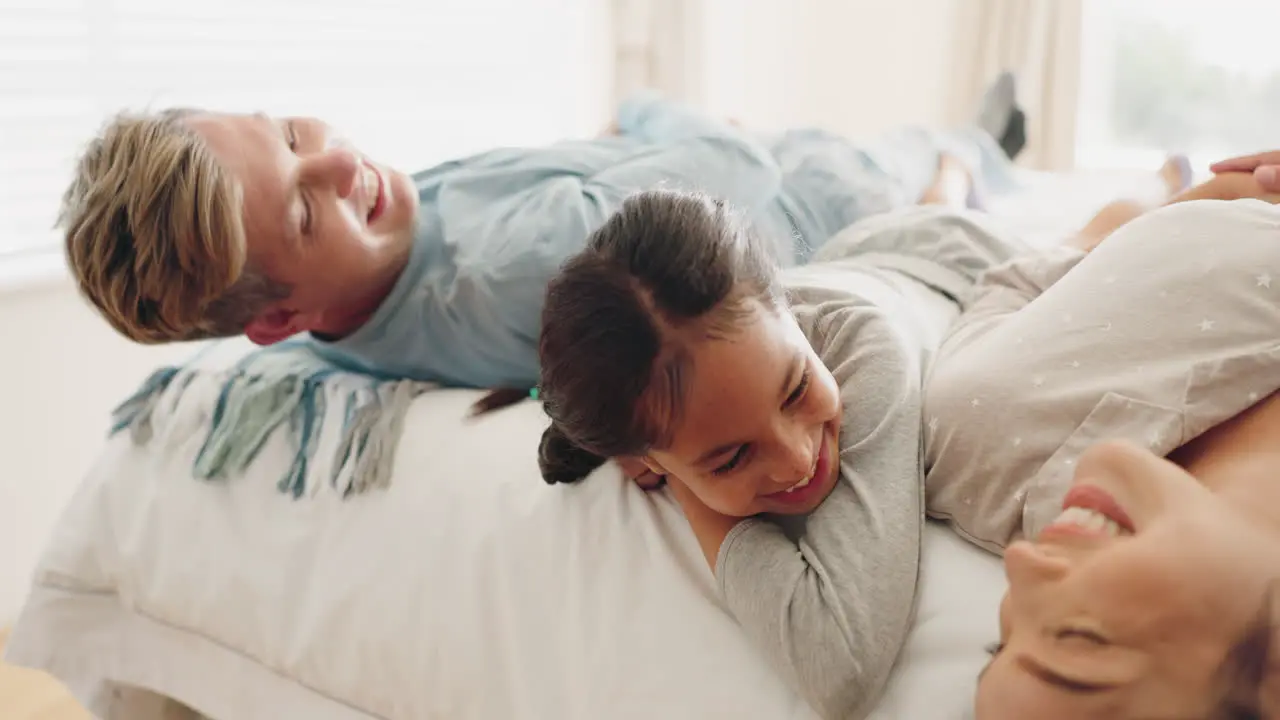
(135, 413)
(251, 407)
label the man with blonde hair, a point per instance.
(184, 225)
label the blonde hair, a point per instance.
(154, 234)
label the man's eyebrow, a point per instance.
(1078, 687)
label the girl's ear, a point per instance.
(635, 466)
(654, 466)
(641, 472)
(632, 467)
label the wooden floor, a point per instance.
(29, 695)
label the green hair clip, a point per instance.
(533, 393)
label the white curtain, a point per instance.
(1039, 40)
(658, 45)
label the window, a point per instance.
(411, 82)
(1188, 76)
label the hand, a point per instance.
(1265, 167)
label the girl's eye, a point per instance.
(293, 137)
(994, 649)
(733, 462)
(1087, 635)
(798, 393)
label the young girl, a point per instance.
(783, 408)
(783, 411)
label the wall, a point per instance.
(854, 66)
(61, 373)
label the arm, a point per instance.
(697, 153)
(647, 116)
(1265, 167)
(681, 150)
(832, 608)
(740, 173)
(691, 152)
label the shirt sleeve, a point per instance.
(832, 608)
(1007, 288)
(647, 116)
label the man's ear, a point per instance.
(273, 325)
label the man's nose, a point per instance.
(334, 167)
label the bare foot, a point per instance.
(950, 186)
(1175, 175)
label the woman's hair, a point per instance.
(1244, 676)
(668, 269)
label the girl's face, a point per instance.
(760, 421)
(1129, 603)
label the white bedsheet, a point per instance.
(468, 589)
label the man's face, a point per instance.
(319, 217)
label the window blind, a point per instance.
(411, 82)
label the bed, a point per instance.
(466, 589)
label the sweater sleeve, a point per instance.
(833, 607)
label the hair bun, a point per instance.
(561, 461)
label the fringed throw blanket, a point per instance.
(238, 406)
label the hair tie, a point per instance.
(533, 393)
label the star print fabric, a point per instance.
(1169, 327)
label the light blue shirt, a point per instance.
(495, 227)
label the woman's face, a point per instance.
(760, 420)
(1128, 604)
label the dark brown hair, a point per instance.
(1244, 676)
(667, 269)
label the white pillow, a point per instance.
(467, 589)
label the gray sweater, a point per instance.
(829, 598)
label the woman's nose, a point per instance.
(1024, 563)
(334, 167)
